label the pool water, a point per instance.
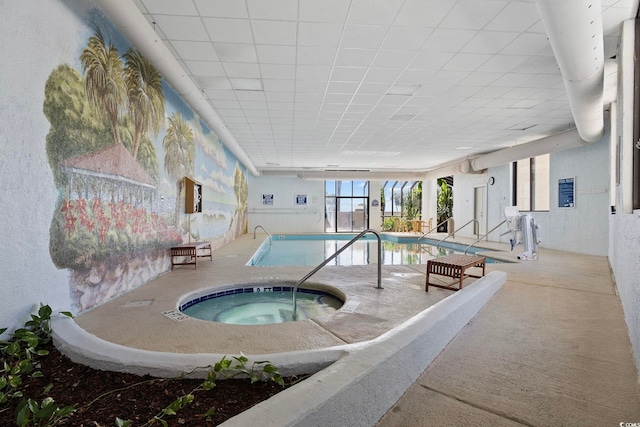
(265, 307)
(314, 249)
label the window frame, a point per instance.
(533, 185)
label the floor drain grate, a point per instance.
(140, 303)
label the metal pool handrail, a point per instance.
(480, 238)
(455, 231)
(430, 230)
(268, 234)
(326, 261)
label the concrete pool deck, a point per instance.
(550, 348)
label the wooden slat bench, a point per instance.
(454, 266)
(190, 250)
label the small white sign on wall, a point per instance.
(301, 199)
(267, 199)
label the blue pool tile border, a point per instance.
(245, 290)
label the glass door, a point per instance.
(346, 206)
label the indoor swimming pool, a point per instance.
(313, 249)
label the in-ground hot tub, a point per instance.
(260, 304)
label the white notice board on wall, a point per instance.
(567, 192)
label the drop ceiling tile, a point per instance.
(511, 80)
(373, 88)
(393, 59)
(278, 71)
(323, 11)
(365, 99)
(342, 87)
(319, 34)
(281, 106)
(363, 36)
(338, 98)
(226, 112)
(458, 92)
(544, 81)
(355, 57)
(226, 104)
(186, 28)
(199, 51)
(348, 74)
(313, 72)
(307, 106)
(227, 30)
(472, 14)
(205, 68)
(285, 10)
(315, 55)
(276, 54)
(406, 38)
(309, 97)
(169, 7)
(503, 63)
(241, 69)
(430, 60)
(492, 92)
(448, 40)
(520, 92)
(274, 32)
(373, 11)
(277, 85)
(527, 44)
(213, 82)
(466, 62)
(489, 41)
(428, 13)
(538, 64)
(220, 94)
(480, 78)
(279, 96)
(416, 77)
(516, 16)
(250, 95)
(236, 52)
(310, 86)
(220, 8)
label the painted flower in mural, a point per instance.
(92, 230)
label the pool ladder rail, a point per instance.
(268, 234)
(326, 261)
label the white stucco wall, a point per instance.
(624, 242)
(27, 193)
(582, 229)
(498, 196)
(285, 216)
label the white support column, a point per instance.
(625, 117)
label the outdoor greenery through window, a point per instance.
(531, 183)
(402, 200)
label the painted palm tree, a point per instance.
(179, 151)
(104, 83)
(146, 100)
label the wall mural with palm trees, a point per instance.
(120, 143)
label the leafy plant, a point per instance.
(445, 201)
(259, 371)
(19, 363)
(30, 413)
